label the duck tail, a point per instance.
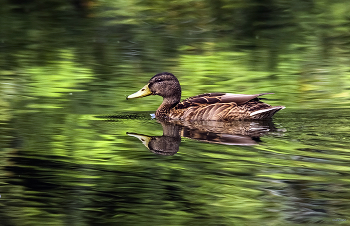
(265, 113)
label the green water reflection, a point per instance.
(66, 68)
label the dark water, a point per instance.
(74, 151)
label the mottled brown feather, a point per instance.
(201, 109)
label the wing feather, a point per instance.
(223, 106)
(214, 98)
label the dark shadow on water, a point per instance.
(243, 133)
(121, 116)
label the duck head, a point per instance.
(163, 84)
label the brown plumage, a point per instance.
(209, 106)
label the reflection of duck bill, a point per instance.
(143, 138)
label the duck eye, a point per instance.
(159, 80)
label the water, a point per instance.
(88, 171)
(74, 151)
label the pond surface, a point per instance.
(74, 151)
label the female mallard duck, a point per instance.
(209, 106)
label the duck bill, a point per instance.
(144, 139)
(145, 91)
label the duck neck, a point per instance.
(166, 106)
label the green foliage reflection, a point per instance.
(64, 62)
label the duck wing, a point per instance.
(216, 98)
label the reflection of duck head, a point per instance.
(234, 133)
(163, 145)
(168, 144)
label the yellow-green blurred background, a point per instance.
(65, 64)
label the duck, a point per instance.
(203, 107)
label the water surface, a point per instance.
(67, 156)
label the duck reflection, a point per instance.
(228, 133)
(168, 144)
